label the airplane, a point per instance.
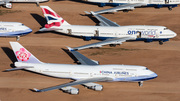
(88, 72)
(109, 32)
(8, 3)
(128, 5)
(13, 29)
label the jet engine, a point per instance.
(70, 90)
(8, 5)
(94, 86)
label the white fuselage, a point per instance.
(138, 31)
(33, 1)
(116, 72)
(11, 29)
(138, 1)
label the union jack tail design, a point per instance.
(53, 19)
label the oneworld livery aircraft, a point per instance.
(13, 29)
(126, 5)
(8, 3)
(85, 74)
(109, 32)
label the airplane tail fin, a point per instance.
(53, 19)
(22, 54)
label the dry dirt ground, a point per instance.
(48, 47)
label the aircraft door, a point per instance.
(69, 31)
(96, 33)
(138, 34)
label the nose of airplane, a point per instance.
(174, 34)
(154, 75)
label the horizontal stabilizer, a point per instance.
(18, 68)
(47, 29)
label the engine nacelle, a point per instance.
(8, 5)
(97, 87)
(71, 90)
(94, 86)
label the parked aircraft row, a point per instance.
(109, 32)
(8, 3)
(85, 74)
(126, 5)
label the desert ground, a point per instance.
(51, 47)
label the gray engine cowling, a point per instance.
(71, 90)
(8, 5)
(97, 87)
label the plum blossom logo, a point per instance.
(22, 54)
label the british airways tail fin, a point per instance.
(53, 19)
(22, 54)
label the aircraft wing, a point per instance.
(82, 59)
(105, 42)
(78, 82)
(104, 21)
(121, 7)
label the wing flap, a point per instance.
(81, 58)
(105, 42)
(78, 82)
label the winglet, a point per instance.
(87, 12)
(37, 90)
(70, 49)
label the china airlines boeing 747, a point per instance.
(85, 74)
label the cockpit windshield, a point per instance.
(165, 28)
(145, 69)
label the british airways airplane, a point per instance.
(126, 5)
(109, 32)
(13, 29)
(85, 74)
(8, 3)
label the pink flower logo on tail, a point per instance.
(22, 54)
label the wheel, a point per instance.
(170, 8)
(161, 42)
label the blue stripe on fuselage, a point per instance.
(16, 33)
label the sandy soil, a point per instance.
(48, 47)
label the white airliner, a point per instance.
(109, 32)
(126, 5)
(7, 3)
(85, 74)
(13, 29)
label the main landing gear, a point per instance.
(170, 8)
(112, 45)
(161, 42)
(140, 83)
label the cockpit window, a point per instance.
(22, 24)
(146, 69)
(166, 28)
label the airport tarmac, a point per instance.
(51, 47)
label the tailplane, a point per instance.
(53, 19)
(22, 54)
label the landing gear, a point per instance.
(17, 38)
(112, 45)
(161, 42)
(170, 8)
(125, 11)
(37, 4)
(140, 83)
